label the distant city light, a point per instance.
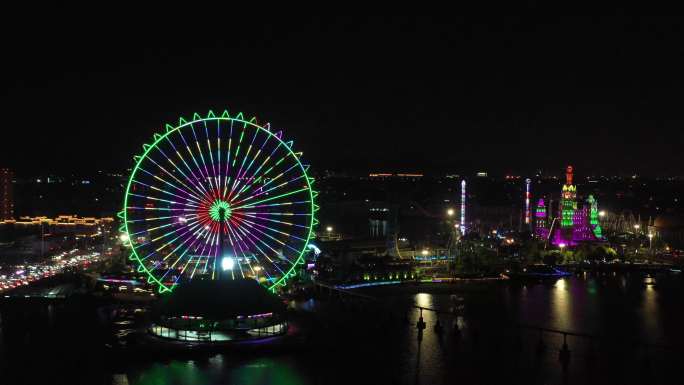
(329, 229)
(450, 212)
(424, 252)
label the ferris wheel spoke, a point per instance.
(197, 165)
(156, 250)
(287, 214)
(255, 228)
(211, 158)
(265, 162)
(266, 199)
(204, 163)
(152, 229)
(249, 166)
(254, 180)
(261, 190)
(200, 257)
(258, 217)
(218, 154)
(240, 173)
(165, 235)
(187, 189)
(274, 230)
(165, 192)
(252, 238)
(215, 256)
(195, 180)
(149, 219)
(237, 148)
(248, 236)
(197, 188)
(281, 204)
(180, 257)
(228, 152)
(164, 200)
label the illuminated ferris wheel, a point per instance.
(218, 197)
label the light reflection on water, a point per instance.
(561, 304)
(623, 306)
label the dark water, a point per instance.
(631, 333)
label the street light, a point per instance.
(424, 252)
(450, 212)
(650, 240)
(329, 229)
(602, 213)
(636, 228)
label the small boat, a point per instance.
(537, 272)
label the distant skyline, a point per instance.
(507, 95)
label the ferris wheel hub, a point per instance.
(220, 209)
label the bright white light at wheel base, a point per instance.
(227, 263)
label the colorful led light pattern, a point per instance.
(540, 229)
(568, 196)
(594, 217)
(203, 165)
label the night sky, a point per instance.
(455, 95)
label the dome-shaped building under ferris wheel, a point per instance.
(218, 213)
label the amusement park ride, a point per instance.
(218, 213)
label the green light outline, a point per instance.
(224, 117)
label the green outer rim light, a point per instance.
(224, 117)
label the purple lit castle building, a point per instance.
(573, 225)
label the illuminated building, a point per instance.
(6, 194)
(541, 226)
(594, 216)
(63, 224)
(574, 224)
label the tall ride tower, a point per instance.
(568, 202)
(463, 207)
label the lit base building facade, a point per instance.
(215, 311)
(574, 224)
